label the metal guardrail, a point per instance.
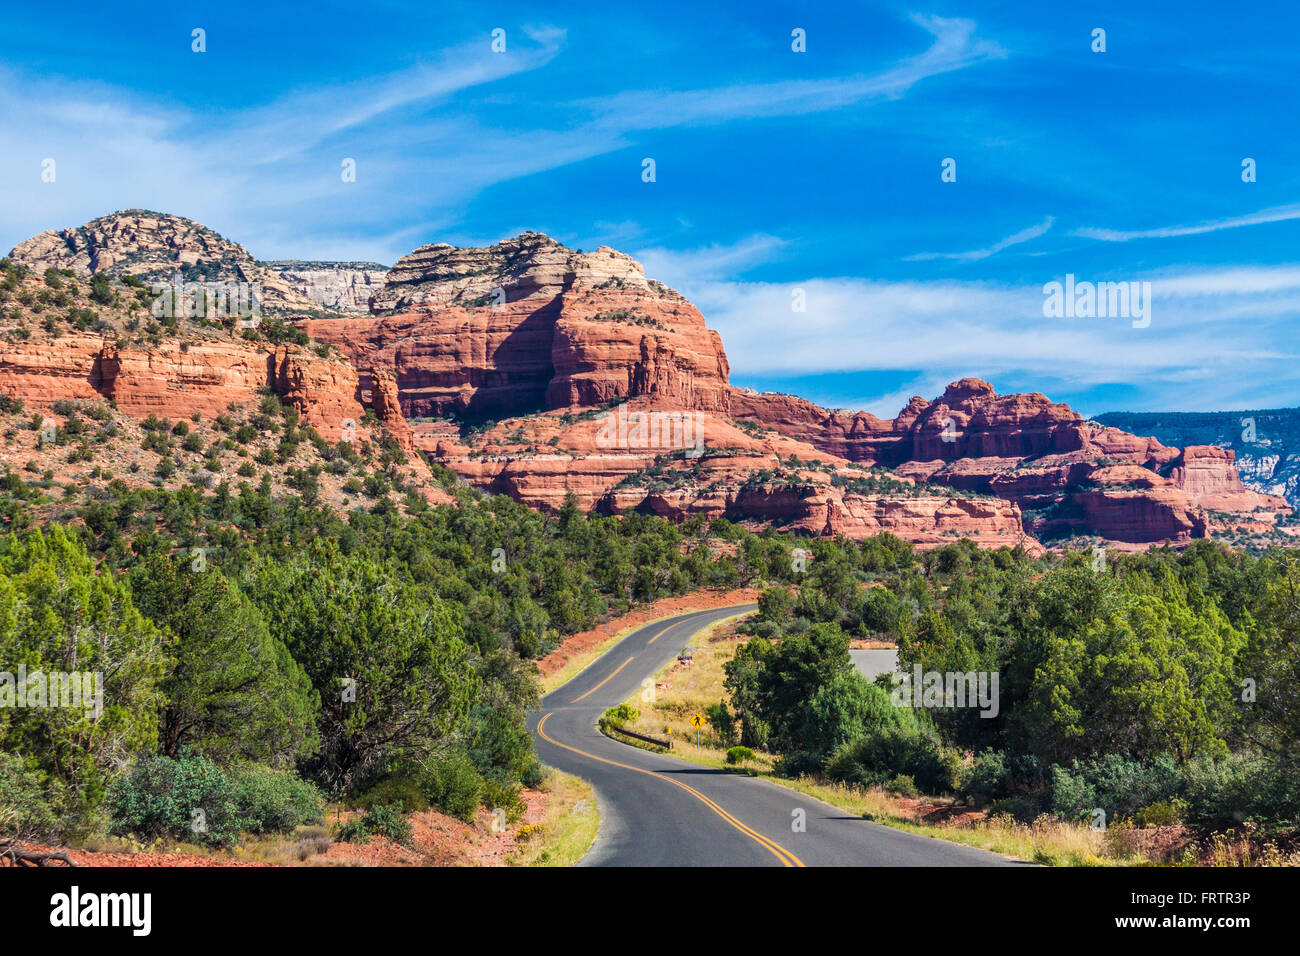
(649, 740)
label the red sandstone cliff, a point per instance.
(860, 436)
(528, 325)
(680, 463)
(384, 400)
(179, 378)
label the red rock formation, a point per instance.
(1139, 517)
(529, 324)
(968, 421)
(663, 351)
(860, 436)
(384, 400)
(176, 379)
(472, 361)
(1037, 453)
(1207, 473)
(930, 520)
(205, 377)
(323, 391)
(540, 459)
(38, 371)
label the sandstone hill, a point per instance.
(529, 325)
(158, 248)
(537, 371)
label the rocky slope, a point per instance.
(110, 383)
(200, 375)
(158, 248)
(639, 456)
(1266, 442)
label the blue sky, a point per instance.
(777, 173)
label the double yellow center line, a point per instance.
(602, 683)
(785, 856)
(617, 669)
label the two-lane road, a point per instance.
(656, 810)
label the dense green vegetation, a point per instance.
(1154, 687)
(196, 800)
(263, 653)
(378, 657)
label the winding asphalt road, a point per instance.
(656, 810)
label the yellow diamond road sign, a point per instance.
(697, 720)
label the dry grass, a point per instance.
(568, 828)
(301, 847)
(690, 690)
(1238, 849)
(104, 843)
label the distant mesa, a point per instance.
(1265, 442)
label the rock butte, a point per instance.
(1060, 468)
(529, 325)
(538, 342)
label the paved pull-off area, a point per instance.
(656, 810)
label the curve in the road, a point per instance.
(718, 818)
(785, 856)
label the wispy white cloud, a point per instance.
(250, 173)
(295, 123)
(268, 175)
(1274, 214)
(712, 262)
(1250, 281)
(955, 46)
(1015, 239)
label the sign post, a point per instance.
(697, 721)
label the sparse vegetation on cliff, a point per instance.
(629, 317)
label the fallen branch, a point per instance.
(20, 856)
